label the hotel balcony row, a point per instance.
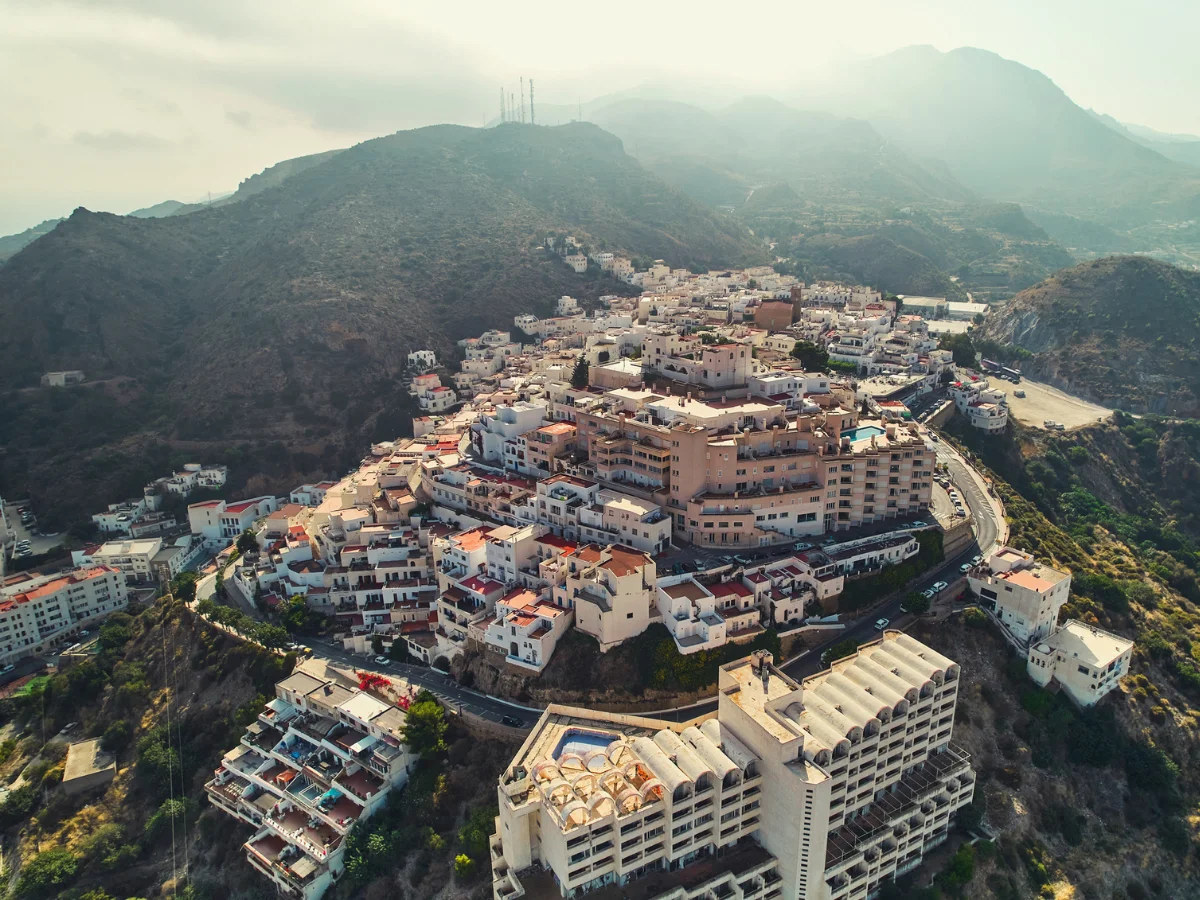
(923, 798)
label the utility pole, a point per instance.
(532, 120)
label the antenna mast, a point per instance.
(503, 113)
(532, 120)
(522, 99)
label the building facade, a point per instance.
(821, 790)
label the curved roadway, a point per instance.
(987, 530)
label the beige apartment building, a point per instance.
(38, 611)
(1027, 594)
(688, 360)
(742, 474)
(1085, 661)
(819, 790)
(611, 589)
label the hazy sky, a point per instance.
(116, 104)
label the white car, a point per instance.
(382, 660)
(939, 586)
(8, 668)
(881, 624)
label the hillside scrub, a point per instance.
(1119, 331)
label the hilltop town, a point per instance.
(729, 455)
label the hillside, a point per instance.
(872, 259)
(1120, 331)
(1008, 132)
(1103, 799)
(287, 316)
(1184, 148)
(11, 243)
(169, 695)
(825, 158)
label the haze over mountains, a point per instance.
(259, 316)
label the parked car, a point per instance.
(940, 586)
(965, 568)
(929, 593)
(743, 560)
(881, 624)
(8, 668)
(511, 722)
(801, 546)
(84, 633)
(933, 437)
(976, 559)
(382, 660)
(1020, 394)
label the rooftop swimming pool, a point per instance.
(863, 431)
(582, 742)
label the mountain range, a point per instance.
(288, 315)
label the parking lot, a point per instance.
(1043, 403)
(20, 531)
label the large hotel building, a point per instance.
(819, 790)
(740, 473)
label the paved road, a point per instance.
(446, 689)
(493, 709)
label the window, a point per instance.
(1084, 670)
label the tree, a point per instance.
(377, 645)
(464, 866)
(962, 349)
(116, 736)
(270, 636)
(917, 604)
(293, 614)
(840, 650)
(425, 726)
(579, 377)
(183, 587)
(960, 870)
(47, 873)
(812, 357)
(247, 543)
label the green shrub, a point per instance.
(975, 618)
(47, 874)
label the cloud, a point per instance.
(241, 118)
(119, 141)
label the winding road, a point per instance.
(987, 526)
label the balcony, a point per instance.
(905, 802)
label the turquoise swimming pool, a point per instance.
(863, 431)
(582, 742)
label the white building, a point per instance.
(688, 609)
(578, 262)
(133, 558)
(220, 522)
(1027, 594)
(569, 306)
(119, 518)
(422, 360)
(823, 790)
(38, 612)
(495, 434)
(320, 757)
(984, 407)
(526, 629)
(1084, 660)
